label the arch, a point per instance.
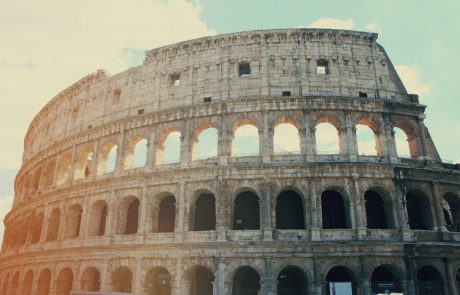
(376, 213)
(451, 205)
(15, 284)
(246, 281)
(386, 277)
(158, 282)
(136, 152)
(406, 139)
(205, 144)
(367, 139)
(289, 211)
(131, 216)
(44, 282)
(419, 210)
(245, 139)
(204, 215)
(27, 283)
(107, 157)
(53, 225)
(122, 280)
(97, 219)
(286, 138)
(334, 210)
(327, 137)
(167, 214)
(90, 279)
(201, 281)
(246, 211)
(36, 228)
(64, 282)
(169, 150)
(292, 281)
(83, 164)
(340, 278)
(63, 169)
(72, 227)
(429, 281)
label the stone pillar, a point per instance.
(93, 168)
(180, 213)
(106, 284)
(72, 165)
(266, 144)
(151, 148)
(266, 287)
(137, 277)
(451, 281)
(349, 138)
(46, 216)
(359, 209)
(440, 223)
(142, 228)
(310, 138)
(221, 209)
(84, 218)
(365, 275)
(316, 222)
(55, 176)
(268, 227)
(219, 280)
(390, 138)
(119, 161)
(224, 144)
(317, 278)
(422, 142)
(410, 273)
(184, 146)
(406, 233)
(112, 217)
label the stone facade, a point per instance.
(78, 225)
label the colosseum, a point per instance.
(115, 197)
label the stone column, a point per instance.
(224, 142)
(451, 285)
(365, 275)
(390, 138)
(266, 144)
(151, 148)
(219, 280)
(137, 277)
(310, 138)
(315, 212)
(46, 216)
(422, 141)
(268, 227)
(184, 146)
(440, 223)
(180, 213)
(317, 278)
(349, 138)
(410, 269)
(406, 233)
(72, 165)
(112, 217)
(106, 284)
(359, 209)
(119, 161)
(142, 228)
(84, 218)
(221, 209)
(93, 168)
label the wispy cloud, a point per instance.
(410, 76)
(332, 23)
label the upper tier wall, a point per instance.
(280, 60)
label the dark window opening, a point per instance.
(286, 93)
(418, 211)
(246, 212)
(246, 282)
(289, 211)
(362, 94)
(333, 210)
(202, 282)
(375, 211)
(116, 95)
(132, 218)
(205, 213)
(383, 279)
(122, 280)
(91, 280)
(291, 282)
(244, 69)
(206, 99)
(140, 112)
(429, 281)
(167, 215)
(175, 80)
(451, 206)
(339, 277)
(102, 221)
(158, 282)
(322, 67)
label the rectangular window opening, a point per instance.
(206, 99)
(175, 80)
(116, 95)
(322, 67)
(140, 112)
(244, 69)
(362, 94)
(286, 93)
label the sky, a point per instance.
(47, 45)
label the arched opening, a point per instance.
(36, 180)
(291, 281)
(83, 165)
(65, 160)
(289, 211)
(132, 217)
(429, 281)
(49, 174)
(245, 140)
(333, 210)
(339, 280)
(375, 211)
(5, 283)
(246, 212)
(15, 284)
(122, 279)
(53, 225)
(136, 153)
(451, 206)
(107, 158)
(205, 213)
(36, 228)
(201, 282)
(91, 279)
(168, 151)
(419, 210)
(246, 282)
(367, 140)
(385, 280)
(206, 144)
(44, 282)
(286, 139)
(327, 139)
(167, 215)
(157, 282)
(406, 140)
(64, 282)
(27, 283)
(97, 219)
(74, 215)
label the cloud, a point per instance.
(332, 23)
(286, 138)
(374, 27)
(47, 46)
(410, 76)
(457, 161)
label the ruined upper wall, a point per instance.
(280, 61)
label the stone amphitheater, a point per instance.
(88, 218)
